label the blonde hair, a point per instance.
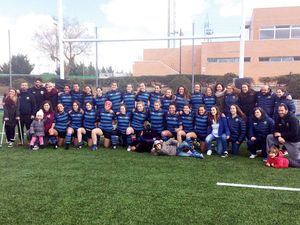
(274, 150)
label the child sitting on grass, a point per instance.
(276, 159)
(37, 131)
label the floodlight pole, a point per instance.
(9, 61)
(242, 42)
(96, 64)
(193, 58)
(60, 39)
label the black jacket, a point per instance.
(39, 96)
(247, 102)
(27, 103)
(289, 128)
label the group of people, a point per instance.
(226, 115)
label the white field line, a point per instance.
(258, 186)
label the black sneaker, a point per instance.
(67, 146)
(55, 146)
(79, 146)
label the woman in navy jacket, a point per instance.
(237, 127)
(283, 97)
(231, 98)
(259, 127)
(217, 130)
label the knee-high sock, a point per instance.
(68, 138)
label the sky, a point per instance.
(117, 19)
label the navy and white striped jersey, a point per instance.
(156, 118)
(154, 97)
(187, 122)
(196, 100)
(106, 119)
(116, 98)
(129, 101)
(99, 102)
(89, 119)
(180, 102)
(138, 119)
(77, 96)
(201, 124)
(66, 101)
(76, 119)
(173, 121)
(209, 101)
(166, 102)
(123, 122)
(144, 97)
(88, 98)
(61, 121)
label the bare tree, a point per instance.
(47, 42)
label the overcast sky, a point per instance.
(119, 19)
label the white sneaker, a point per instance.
(10, 144)
(128, 149)
(209, 152)
(35, 147)
(252, 156)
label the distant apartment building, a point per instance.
(273, 49)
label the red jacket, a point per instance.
(279, 161)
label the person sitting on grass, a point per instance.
(187, 119)
(172, 147)
(138, 119)
(237, 127)
(89, 123)
(106, 122)
(37, 131)
(276, 159)
(217, 130)
(260, 126)
(173, 123)
(287, 133)
(76, 115)
(59, 127)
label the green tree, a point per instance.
(20, 64)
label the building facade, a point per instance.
(273, 49)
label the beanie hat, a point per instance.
(40, 112)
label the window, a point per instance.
(227, 60)
(280, 32)
(279, 59)
(267, 34)
(295, 32)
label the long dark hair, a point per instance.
(218, 115)
(185, 91)
(239, 112)
(50, 104)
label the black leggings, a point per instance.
(25, 121)
(10, 132)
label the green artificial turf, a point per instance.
(118, 187)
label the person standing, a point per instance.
(247, 100)
(27, 107)
(11, 115)
(287, 133)
(38, 91)
(266, 100)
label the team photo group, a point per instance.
(216, 119)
